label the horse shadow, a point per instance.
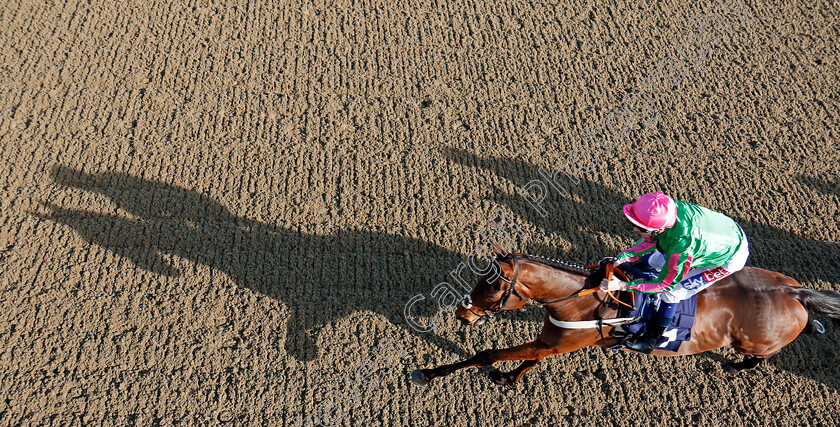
(320, 278)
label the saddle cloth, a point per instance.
(677, 332)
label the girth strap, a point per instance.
(586, 324)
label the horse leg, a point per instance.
(513, 376)
(532, 351)
(748, 363)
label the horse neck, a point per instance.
(547, 284)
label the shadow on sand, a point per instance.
(320, 278)
(370, 271)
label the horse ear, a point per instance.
(500, 253)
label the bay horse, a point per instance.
(756, 311)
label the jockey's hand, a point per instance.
(607, 259)
(613, 285)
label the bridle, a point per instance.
(493, 310)
(498, 306)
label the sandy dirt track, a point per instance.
(214, 212)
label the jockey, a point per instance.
(690, 246)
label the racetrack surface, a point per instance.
(216, 212)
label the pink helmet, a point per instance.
(652, 211)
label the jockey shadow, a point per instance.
(591, 209)
(320, 278)
(821, 185)
(574, 220)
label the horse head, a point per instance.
(496, 291)
(512, 281)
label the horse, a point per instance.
(755, 310)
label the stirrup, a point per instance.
(619, 332)
(639, 344)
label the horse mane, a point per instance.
(554, 263)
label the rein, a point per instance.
(497, 307)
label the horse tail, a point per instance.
(821, 302)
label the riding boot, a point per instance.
(657, 326)
(644, 344)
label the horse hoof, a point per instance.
(499, 378)
(418, 378)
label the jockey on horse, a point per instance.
(756, 311)
(691, 248)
